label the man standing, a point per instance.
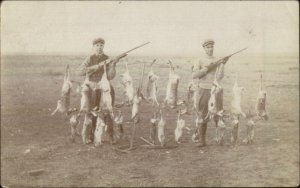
(204, 72)
(93, 67)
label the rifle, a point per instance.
(213, 65)
(233, 53)
(125, 53)
(217, 63)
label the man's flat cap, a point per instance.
(207, 42)
(98, 40)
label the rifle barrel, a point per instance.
(136, 47)
(232, 54)
(237, 52)
(129, 51)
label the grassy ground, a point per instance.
(30, 87)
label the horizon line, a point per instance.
(113, 54)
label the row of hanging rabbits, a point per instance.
(105, 118)
(151, 96)
(214, 111)
(133, 98)
(217, 114)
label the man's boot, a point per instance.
(203, 128)
(92, 129)
(110, 127)
(121, 131)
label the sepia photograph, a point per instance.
(150, 94)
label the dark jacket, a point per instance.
(90, 65)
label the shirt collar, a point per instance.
(209, 57)
(99, 55)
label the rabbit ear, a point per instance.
(94, 113)
(220, 113)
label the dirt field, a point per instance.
(30, 87)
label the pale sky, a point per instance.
(173, 28)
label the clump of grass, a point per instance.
(51, 72)
(293, 68)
